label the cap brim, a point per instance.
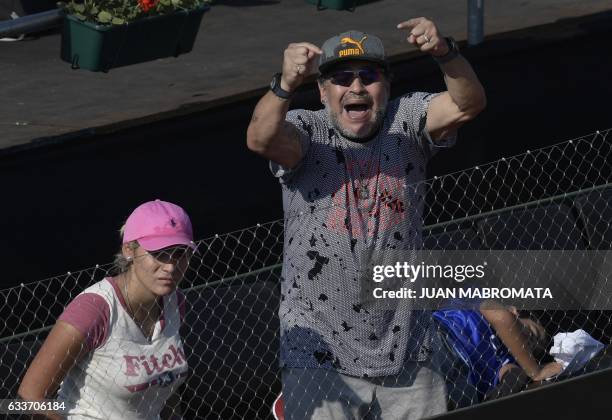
(160, 242)
(325, 67)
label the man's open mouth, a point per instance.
(357, 111)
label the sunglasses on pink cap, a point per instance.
(172, 255)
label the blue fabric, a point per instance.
(475, 342)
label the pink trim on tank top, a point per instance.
(89, 313)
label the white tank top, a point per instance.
(129, 376)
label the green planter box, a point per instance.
(338, 4)
(103, 47)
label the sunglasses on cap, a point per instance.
(345, 77)
(172, 255)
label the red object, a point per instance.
(278, 408)
(147, 5)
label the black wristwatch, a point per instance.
(453, 51)
(275, 87)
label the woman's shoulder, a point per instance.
(90, 313)
(97, 298)
(106, 288)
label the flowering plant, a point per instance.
(119, 12)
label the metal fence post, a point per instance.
(475, 22)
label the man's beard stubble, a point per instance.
(349, 135)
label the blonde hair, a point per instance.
(122, 264)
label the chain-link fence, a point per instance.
(555, 198)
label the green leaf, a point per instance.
(80, 16)
(94, 10)
(165, 2)
(117, 21)
(177, 3)
(80, 8)
(104, 17)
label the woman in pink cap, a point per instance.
(115, 352)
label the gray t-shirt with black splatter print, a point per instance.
(343, 200)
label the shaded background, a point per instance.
(63, 204)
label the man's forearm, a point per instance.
(267, 121)
(269, 134)
(463, 85)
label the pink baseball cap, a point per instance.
(158, 224)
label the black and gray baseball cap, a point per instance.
(352, 45)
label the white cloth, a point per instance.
(129, 377)
(574, 349)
